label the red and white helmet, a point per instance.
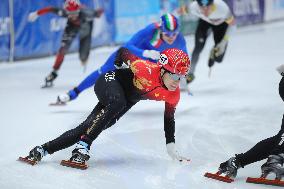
(72, 5)
(175, 61)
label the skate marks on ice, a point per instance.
(152, 172)
(158, 112)
(138, 156)
(213, 90)
(217, 145)
(70, 111)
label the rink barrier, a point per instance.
(20, 39)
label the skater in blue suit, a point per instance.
(146, 44)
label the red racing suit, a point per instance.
(117, 91)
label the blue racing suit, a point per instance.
(148, 38)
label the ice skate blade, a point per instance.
(45, 86)
(57, 104)
(28, 161)
(69, 163)
(265, 181)
(217, 176)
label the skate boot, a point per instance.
(274, 165)
(211, 60)
(80, 155)
(49, 79)
(34, 156)
(230, 167)
(37, 153)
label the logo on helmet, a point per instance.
(183, 70)
(163, 59)
(169, 25)
(175, 61)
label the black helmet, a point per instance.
(204, 2)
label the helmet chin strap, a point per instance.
(163, 72)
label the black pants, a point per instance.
(266, 147)
(203, 30)
(70, 32)
(85, 36)
(111, 106)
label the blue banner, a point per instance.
(278, 4)
(247, 11)
(43, 36)
(4, 30)
(104, 27)
(132, 16)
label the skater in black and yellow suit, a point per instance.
(271, 148)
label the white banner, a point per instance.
(274, 9)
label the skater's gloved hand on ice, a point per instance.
(32, 16)
(173, 153)
(280, 69)
(63, 98)
(71, 95)
(221, 47)
(153, 54)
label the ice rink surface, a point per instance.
(229, 112)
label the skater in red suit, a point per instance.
(271, 148)
(80, 22)
(119, 90)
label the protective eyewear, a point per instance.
(170, 33)
(73, 13)
(175, 77)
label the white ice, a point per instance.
(229, 113)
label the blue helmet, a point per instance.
(169, 25)
(204, 2)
